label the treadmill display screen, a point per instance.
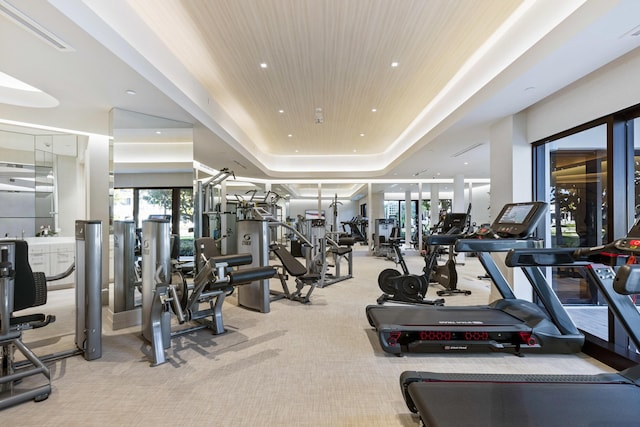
(517, 220)
(454, 222)
(515, 214)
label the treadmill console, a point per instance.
(517, 220)
(454, 223)
(630, 244)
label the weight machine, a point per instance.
(259, 295)
(385, 229)
(209, 219)
(21, 288)
(334, 250)
(216, 279)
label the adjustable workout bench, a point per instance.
(215, 280)
(20, 288)
(292, 266)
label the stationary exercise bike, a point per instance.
(403, 287)
(450, 229)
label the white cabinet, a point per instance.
(52, 255)
(39, 258)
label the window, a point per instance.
(589, 176)
(139, 204)
(577, 205)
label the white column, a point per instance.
(319, 200)
(369, 214)
(458, 205)
(511, 181)
(458, 194)
(97, 196)
(435, 201)
(419, 222)
(407, 219)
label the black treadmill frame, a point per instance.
(524, 391)
(398, 338)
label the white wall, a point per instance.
(480, 203)
(151, 180)
(612, 88)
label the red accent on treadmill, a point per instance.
(393, 338)
(476, 336)
(435, 335)
(528, 339)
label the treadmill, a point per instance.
(610, 399)
(507, 324)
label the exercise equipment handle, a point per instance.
(233, 259)
(541, 257)
(627, 281)
(64, 274)
(248, 275)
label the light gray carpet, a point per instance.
(300, 365)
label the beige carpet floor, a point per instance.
(318, 364)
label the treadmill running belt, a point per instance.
(444, 404)
(450, 316)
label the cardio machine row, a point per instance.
(558, 400)
(507, 324)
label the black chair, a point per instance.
(28, 290)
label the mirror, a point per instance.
(151, 153)
(38, 182)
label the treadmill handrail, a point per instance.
(538, 257)
(443, 239)
(495, 245)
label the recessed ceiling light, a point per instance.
(394, 64)
(158, 132)
(466, 163)
(280, 111)
(263, 65)
(362, 134)
(373, 110)
(130, 92)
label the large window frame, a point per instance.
(620, 201)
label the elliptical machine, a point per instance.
(404, 287)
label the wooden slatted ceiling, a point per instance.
(332, 54)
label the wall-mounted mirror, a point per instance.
(39, 180)
(152, 161)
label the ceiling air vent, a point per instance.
(33, 27)
(466, 150)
